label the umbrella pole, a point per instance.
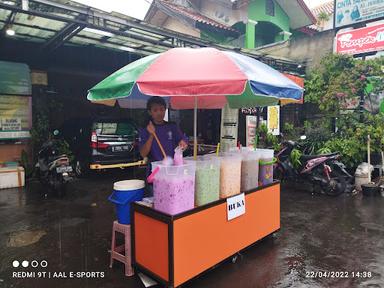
(369, 158)
(195, 130)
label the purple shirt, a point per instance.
(169, 135)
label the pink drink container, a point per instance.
(174, 188)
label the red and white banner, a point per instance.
(367, 39)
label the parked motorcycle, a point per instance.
(325, 172)
(53, 168)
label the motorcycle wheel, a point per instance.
(81, 169)
(336, 186)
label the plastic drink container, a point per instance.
(174, 188)
(266, 166)
(250, 170)
(230, 174)
(207, 183)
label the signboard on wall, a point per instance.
(39, 78)
(229, 124)
(250, 132)
(363, 40)
(349, 12)
(15, 117)
(15, 78)
(273, 119)
(10, 124)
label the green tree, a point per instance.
(340, 80)
(321, 19)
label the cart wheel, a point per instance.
(236, 257)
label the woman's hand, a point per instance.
(151, 128)
(183, 145)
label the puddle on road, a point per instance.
(24, 238)
(68, 222)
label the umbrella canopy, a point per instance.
(214, 77)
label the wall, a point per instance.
(304, 48)
(224, 13)
(177, 26)
(214, 37)
(256, 12)
(12, 152)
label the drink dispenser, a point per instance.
(230, 174)
(174, 187)
(250, 170)
(266, 166)
(207, 185)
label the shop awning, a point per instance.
(57, 23)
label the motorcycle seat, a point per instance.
(309, 157)
(290, 143)
(56, 157)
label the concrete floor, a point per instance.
(319, 233)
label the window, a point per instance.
(113, 128)
(269, 7)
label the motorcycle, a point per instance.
(53, 168)
(325, 172)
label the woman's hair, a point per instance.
(155, 100)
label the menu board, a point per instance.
(229, 125)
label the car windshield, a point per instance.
(113, 128)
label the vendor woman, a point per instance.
(169, 134)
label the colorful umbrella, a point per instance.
(200, 78)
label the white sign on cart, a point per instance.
(235, 206)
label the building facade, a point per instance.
(241, 23)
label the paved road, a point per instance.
(318, 234)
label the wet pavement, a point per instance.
(323, 241)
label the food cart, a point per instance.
(175, 249)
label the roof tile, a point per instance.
(192, 14)
(326, 7)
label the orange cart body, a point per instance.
(175, 249)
